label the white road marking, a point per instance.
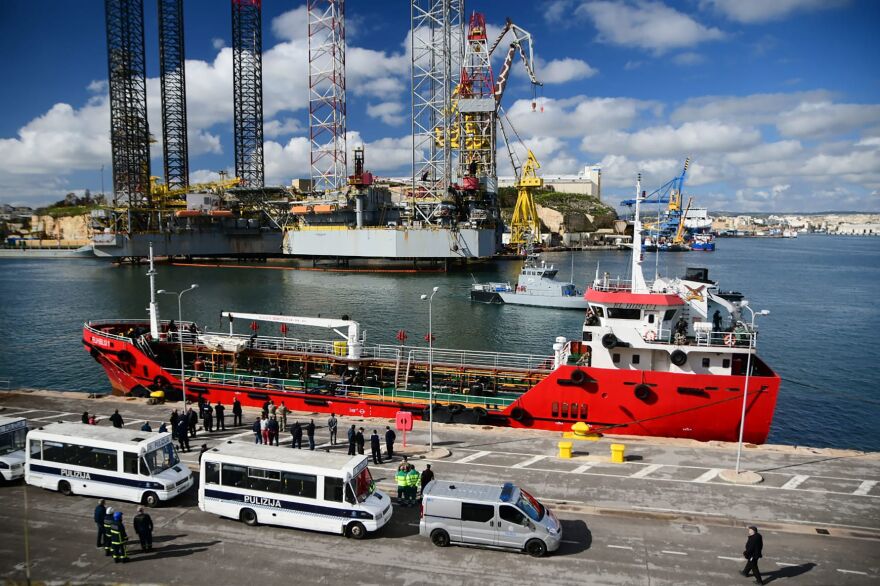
(583, 468)
(865, 487)
(528, 462)
(707, 475)
(852, 572)
(570, 541)
(724, 557)
(672, 552)
(785, 564)
(51, 417)
(646, 470)
(794, 482)
(679, 511)
(135, 422)
(620, 547)
(17, 413)
(472, 457)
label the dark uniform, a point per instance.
(390, 436)
(359, 440)
(236, 412)
(100, 512)
(119, 537)
(108, 532)
(296, 433)
(182, 435)
(208, 417)
(310, 433)
(193, 420)
(753, 552)
(143, 526)
(218, 411)
(351, 437)
(376, 448)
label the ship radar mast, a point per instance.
(638, 279)
(154, 307)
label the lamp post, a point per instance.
(430, 369)
(180, 333)
(742, 419)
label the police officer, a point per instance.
(390, 436)
(208, 418)
(376, 447)
(296, 436)
(236, 412)
(412, 482)
(119, 537)
(100, 512)
(352, 433)
(360, 440)
(108, 531)
(310, 433)
(400, 478)
(218, 411)
(182, 434)
(193, 420)
(143, 526)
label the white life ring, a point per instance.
(729, 340)
(650, 335)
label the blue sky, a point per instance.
(775, 101)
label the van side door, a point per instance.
(477, 523)
(514, 528)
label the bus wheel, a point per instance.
(151, 499)
(440, 538)
(64, 488)
(357, 530)
(536, 548)
(248, 517)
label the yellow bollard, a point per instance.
(617, 451)
(565, 450)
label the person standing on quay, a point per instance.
(390, 436)
(412, 483)
(310, 433)
(208, 418)
(100, 512)
(332, 425)
(119, 536)
(174, 419)
(264, 429)
(258, 431)
(376, 447)
(193, 420)
(143, 526)
(116, 419)
(236, 412)
(296, 433)
(352, 436)
(273, 430)
(85, 417)
(753, 552)
(427, 476)
(182, 434)
(108, 531)
(282, 416)
(219, 410)
(359, 440)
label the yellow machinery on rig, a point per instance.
(679, 234)
(525, 224)
(164, 198)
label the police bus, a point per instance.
(12, 434)
(292, 488)
(107, 462)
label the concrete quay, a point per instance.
(662, 517)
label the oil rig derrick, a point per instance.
(247, 88)
(173, 81)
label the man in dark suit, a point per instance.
(752, 553)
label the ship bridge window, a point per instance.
(670, 313)
(598, 310)
(624, 313)
(636, 358)
(651, 317)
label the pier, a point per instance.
(663, 516)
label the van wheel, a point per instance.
(248, 517)
(357, 530)
(151, 499)
(64, 488)
(536, 548)
(440, 538)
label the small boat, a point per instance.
(536, 286)
(703, 243)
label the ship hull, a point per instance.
(545, 301)
(627, 402)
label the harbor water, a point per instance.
(820, 335)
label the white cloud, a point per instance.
(760, 11)
(689, 58)
(564, 70)
(391, 113)
(824, 118)
(646, 25)
(751, 109)
(293, 25)
(690, 138)
(282, 127)
(576, 116)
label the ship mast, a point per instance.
(154, 307)
(638, 279)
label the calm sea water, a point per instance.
(821, 334)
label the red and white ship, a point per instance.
(653, 360)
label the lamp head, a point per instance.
(436, 289)
(193, 286)
(744, 303)
(424, 297)
(161, 291)
(764, 312)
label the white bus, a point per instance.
(292, 488)
(107, 462)
(12, 433)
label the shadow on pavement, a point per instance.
(164, 538)
(787, 572)
(173, 551)
(576, 538)
(404, 522)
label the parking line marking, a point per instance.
(794, 482)
(784, 564)
(27, 411)
(471, 458)
(51, 417)
(865, 487)
(583, 468)
(646, 470)
(707, 475)
(724, 557)
(620, 547)
(852, 572)
(672, 552)
(528, 462)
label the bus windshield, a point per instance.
(363, 485)
(12, 441)
(161, 459)
(530, 506)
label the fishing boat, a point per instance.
(536, 286)
(703, 243)
(653, 360)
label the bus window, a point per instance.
(212, 473)
(161, 459)
(36, 450)
(264, 480)
(234, 476)
(54, 452)
(333, 489)
(364, 485)
(129, 462)
(304, 485)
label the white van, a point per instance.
(292, 488)
(488, 516)
(123, 464)
(12, 437)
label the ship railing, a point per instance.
(462, 358)
(612, 285)
(315, 384)
(739, 338)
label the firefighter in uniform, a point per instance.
(119, 538)
(108, 531)
(400, 477)
(413, 478)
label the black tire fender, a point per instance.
(609, 340)
(678, 357)
(643, 392)
(455, 408)
(578, 376)
(518, 413)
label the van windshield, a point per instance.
(12, 441)
(363, 485)
(530, 506)
(161, 459)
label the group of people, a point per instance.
(410, 483)
(112, 536)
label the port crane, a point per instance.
(669, 193)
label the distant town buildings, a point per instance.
(844, 224)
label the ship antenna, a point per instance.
(638, 279)
(154, 306)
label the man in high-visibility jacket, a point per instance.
(402, 487)
(119, 538)
(412, 483)
(108, 531)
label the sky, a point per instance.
(775, 101)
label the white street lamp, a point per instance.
(430, 369)
(179, 332)
(742, 419)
